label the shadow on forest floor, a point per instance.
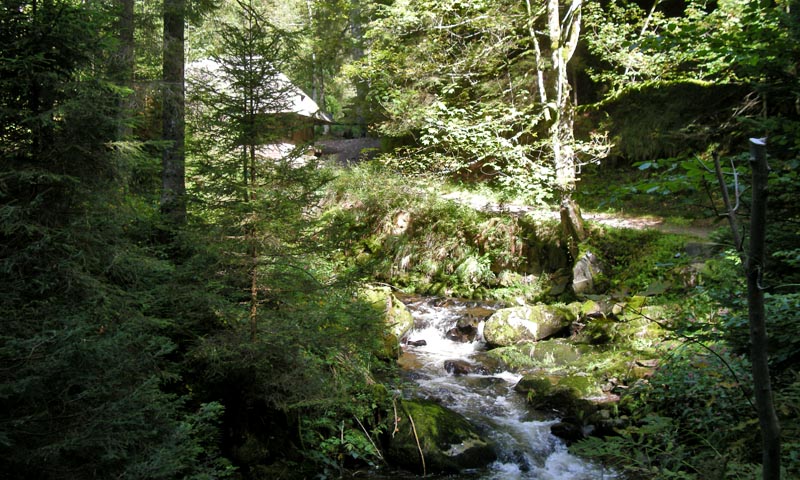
(700, 228)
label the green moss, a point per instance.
(512, 358)
(562, 393)
(452, 246)
(509, 326)
(448, 441)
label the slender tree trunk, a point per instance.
(357, 33)
(767, 418)
(125, 61)
(253, 247)
(730, 209)
(563, 32)
(317, 86)
(173, 201)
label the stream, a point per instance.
(524, 445)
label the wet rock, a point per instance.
(466, 330)
(446, 441)
(463, 367)
(457, 335)
(417, 343)
(568, 429)
(509, 326)
(490, 363)
(409, 361)
(395, 315)
(566, 394)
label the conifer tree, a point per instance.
(83, 360)
(173, 202)
(249, 183)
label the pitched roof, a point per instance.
(294, 99)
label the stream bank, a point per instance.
(462, 375)
(535, 377)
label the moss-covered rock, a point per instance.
(433, 439)
(555, 354)
(529, 323)
(596, 329)
(567, 394)
(396, 317)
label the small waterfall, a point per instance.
(525, 447)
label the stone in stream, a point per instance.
(569, 429)
(463, 367)
(528, 323)
(395, 315)
(430, 438)
(466, 329)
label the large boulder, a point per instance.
(566, 394)
(395, 315)
(529, 323)
(433, 439)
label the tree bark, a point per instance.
(767, 418)
(124, 63)
(356, 20)
(564, 34)
(173, 201)
(730, 210)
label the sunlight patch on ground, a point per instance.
(485, 203)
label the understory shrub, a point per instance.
(692, 419)
(407, 235)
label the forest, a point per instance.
(468, 239)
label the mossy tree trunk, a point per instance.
(563, 32)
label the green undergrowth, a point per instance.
(634, 191)
(400, 231)
(640, 261)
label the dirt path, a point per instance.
(700, 229)
(350, 150)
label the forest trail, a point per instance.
(700, 229)
(348, 151)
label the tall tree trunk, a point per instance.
(754, 265)
(314, 91)
(252, 240)
(124, 64)
(563, 35)
(554, 92)
(356, 20)
(753, 262)
(173, 201)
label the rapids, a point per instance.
(525, 447)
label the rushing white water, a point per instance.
(526, 449)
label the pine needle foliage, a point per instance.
(84, 369)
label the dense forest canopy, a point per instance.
(175, 306)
